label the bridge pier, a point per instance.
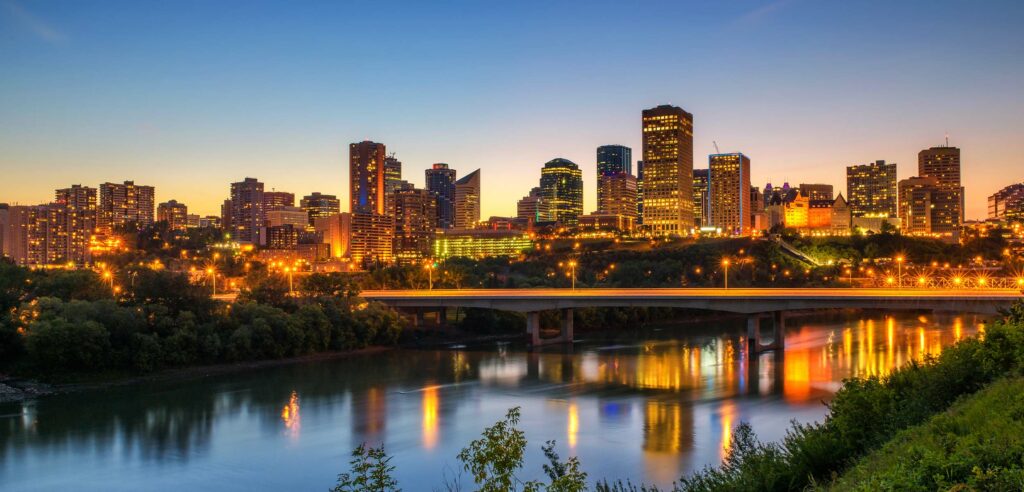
(754, 345)
(533, 328)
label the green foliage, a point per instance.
(371, 472)
(59, 344)
(82, 285)
(565, 476)
(267, 289)
(494, 459)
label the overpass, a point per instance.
(756, 303)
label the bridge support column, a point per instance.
(754, 345)
(753, 335)
(533, 327)
(779, 337)
(566, 333)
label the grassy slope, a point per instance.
(978, 444)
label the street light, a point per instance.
(725, 264)
(430, 274)
(899, 272)
(572, 266)
(288, 270)
(213, 279)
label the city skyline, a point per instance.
(189, 135)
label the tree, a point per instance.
(371, 472)
(494, 459)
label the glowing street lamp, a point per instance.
(430, 274)
(213, 279)
(899, 272)
(572, 267)
(725, 264)
(288, 270)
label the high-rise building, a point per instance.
(192, 221)
(5, 219)
(366, 177)
(533, 207)
(817, 191)
(123, 204)
(392, 181)
(174, 213)
(281, 237)
(561, 185)
(700, 197)
(871, 189)
(639, 193)
(364, 238)
(441, 182)
(27, 234)
(1007, 203)
(729, 193)
(225, 215)
(276, 200)
(247, 215)
(72, 222)
(927, 207)
(415, 216)
(758, 218)
(617, 192)
(943, 164)
(668, 170)
(467, 201)
(293, 216)
(613, 159)
(319, 205)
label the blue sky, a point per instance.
(189, 96)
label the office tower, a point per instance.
(561, 184)
(729, 193)
(124, 204)
(366, 177)
(618, 195)
(1007, 203)
(192, 221)
(415, 216)
(467, 201)
(175, 214)
(225, 215)
(247, 215)
(364, 238)
(533, 207)
(319, 205)
(281, 237)
(640, 193)
(441, 182)
(700, 197)
(668, 170)
(392, 181)
(613, 159)
(817, 191)
(943, 164)
(871, 189)
(276, 200)
(925, 207)
(72, 222)
(293, 216)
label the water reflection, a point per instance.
(657, 405)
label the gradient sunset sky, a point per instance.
(189, 96)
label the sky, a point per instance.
(189, 96)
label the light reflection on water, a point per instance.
(649, 409)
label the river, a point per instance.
(650, 408)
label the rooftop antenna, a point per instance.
(947, 139)
(716, 147)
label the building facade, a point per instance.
(415, 213)
(871, 189)
(533, 207)
(561, 185)
(668, 171)
(617, 195)
(174, 213)
(467, 201)
(480, 243)
(319, 205)
(277, 200)
(613, 159)
(440, 181)
(729, 193)
(817, 191)
(366, 177)
(943, 164)
(246, 210)
(700, 198)
(363, 238)
(925, 207)
(1007, 203)
(72, 223)
(123, 204)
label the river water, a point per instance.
(650, 408)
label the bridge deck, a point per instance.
(987, 301)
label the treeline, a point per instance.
(70, 322)
(864, 416)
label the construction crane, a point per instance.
(716, 147)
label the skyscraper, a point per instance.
(123, 204)
(668, 170)
(366, 177)
(534, 207)
(700, 197)
(928, 207)
(441, 182)
(247, 214)
(277, 200)
(729, 193)
(617, 192)
(871, 189)
(467, 201)
(175, 214)
(72, 221)
(613, 159)
(640, 193)
(943, 164)
(561, 185)
(415, 224)
(1007, 203)
(392, 181)
(319, 205)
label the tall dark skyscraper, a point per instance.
(729, 193)
(366, 177)
(668, 170)
(639, 193)
(392, 181)
(561, 184)
(441, 182)
(467, 201)
(612, 159)
(943, 164)
(247, 214)
(700, 197)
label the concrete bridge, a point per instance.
(756, 303)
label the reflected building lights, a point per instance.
(573, 426)
(430, 418)
(291, 417)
